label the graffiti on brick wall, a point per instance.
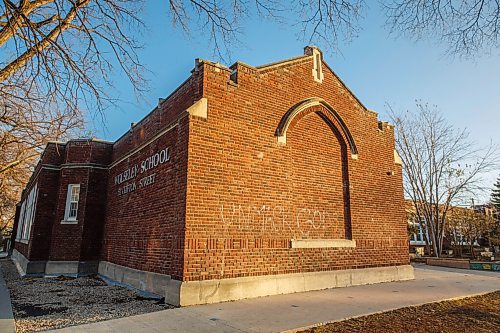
(267, 218)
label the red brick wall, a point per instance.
(316, 168)
(95, 211)
(22, 248)
(77, 162)
(248, 196)
(66, 238)
(41, 232)
(81, 241)
(231, 199)
(165, 114)
(145, 228)
(38, 247)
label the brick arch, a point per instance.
(345, 147)
(305, 107)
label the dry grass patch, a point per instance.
(472, 314)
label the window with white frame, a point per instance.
(27, 215)
(72, 198)
(418, 237)
(21, 220)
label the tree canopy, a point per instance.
(441, 167)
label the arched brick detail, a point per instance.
(300, 109)
(345, 147)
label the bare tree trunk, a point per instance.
(433, 155)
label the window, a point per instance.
(27, 215)
(21, 221)
(71, 212)
(418, 238)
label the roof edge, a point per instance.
(280, 63)
(345, 85)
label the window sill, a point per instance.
(24, 241)
(322, 243)
(69, 222)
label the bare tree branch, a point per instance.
(441, 166)
(329, 21)
(466, 27)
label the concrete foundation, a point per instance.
(214, 291)
(79, 268)
(26, 267)
(73, 268)
(151, 282)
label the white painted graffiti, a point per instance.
(265, 218)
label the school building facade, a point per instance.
(244, 182)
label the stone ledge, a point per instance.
(159, 284)
(199, 109)
(449, 262)
(214, 291)
(322, 243)
(69, 221)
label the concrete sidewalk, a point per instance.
(7, 323)
(289, 312)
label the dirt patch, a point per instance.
(48, 303)
(473, 314)
(27, 310)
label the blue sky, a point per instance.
(378, 68)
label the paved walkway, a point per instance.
(289, 312)
(7, 324)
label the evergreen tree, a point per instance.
(495, 199)
(495, 203)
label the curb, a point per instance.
(7, 323)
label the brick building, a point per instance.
(245, 181)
